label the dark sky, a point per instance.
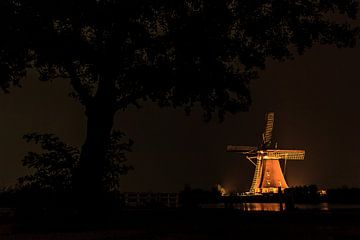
(315, 99)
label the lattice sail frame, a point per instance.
(277, 154)
(269, 126)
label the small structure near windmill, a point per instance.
(268, 176)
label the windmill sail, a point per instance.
(278, 154)
(231, 148)
(269, 126)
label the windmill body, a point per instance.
(268, 175)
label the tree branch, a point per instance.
(85, 97)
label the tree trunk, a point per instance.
(89, 178)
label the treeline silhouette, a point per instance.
(303, 194)
(343, 195)
(311, 194)
(193, 198)
(35, 200)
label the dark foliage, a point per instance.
(310, 194)
(53, 169)
(302, 194)
(193, 198)
(173, 52)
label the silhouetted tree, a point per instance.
(53, 169)
(13, 48)
(176, 53)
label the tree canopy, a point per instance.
(173, 52)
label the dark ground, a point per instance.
(185, 224)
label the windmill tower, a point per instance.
(268, 176)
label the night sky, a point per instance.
(316, 103)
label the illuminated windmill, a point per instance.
(268, 175)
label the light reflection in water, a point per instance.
(320, 206)
(248, 206)
(259, 206)
(276, 206)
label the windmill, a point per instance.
(268, 176)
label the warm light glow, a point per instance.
(322, 192)
(221, 190)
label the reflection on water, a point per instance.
(327, 206)
(320, 206)
(259, 206)
(276, 206)
(248, 206)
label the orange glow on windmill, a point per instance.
(268, 175)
